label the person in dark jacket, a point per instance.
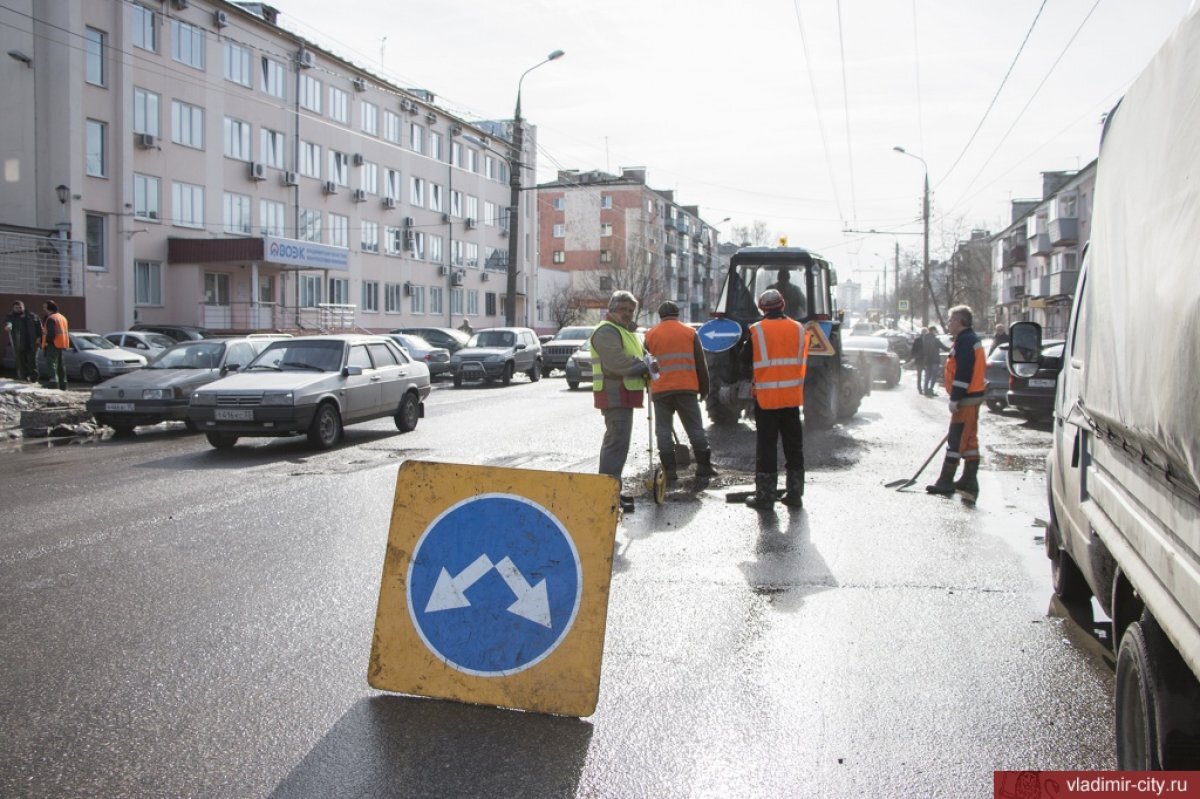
(916, 358)
(931, 350)
(24, 336)
(964, 375)
(1001, 337)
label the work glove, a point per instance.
(953, 406)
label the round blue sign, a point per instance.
(718, 335)
(494, 585)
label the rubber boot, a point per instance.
(945, 482)
(793, 497)
(667, 459)
(764, 494)
(704, 467)
(968, 486)
(626, 503)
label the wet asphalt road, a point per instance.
(185, 622)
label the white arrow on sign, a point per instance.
(715, 334)
(533, 602)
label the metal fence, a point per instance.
(40, 265)
(326, 317)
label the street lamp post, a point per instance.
(925, 219)
(514, 213)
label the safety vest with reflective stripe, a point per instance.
(975, 388)
(632, 348)
(780, 362)
(55, 331)
(674, 345)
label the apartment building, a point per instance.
(1036, 259)
(602, 232)
(222, 171)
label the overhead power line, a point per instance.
(817, 106)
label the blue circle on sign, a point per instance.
(494, 585)
(718, 335)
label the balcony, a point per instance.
(1013, 254)
(1040, 244)
(1061, 284)
(1064, 231)
(1014, 293)
(1038, 287)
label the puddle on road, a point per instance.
(1023, 459)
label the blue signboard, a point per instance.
(494, 585)
(718, 335)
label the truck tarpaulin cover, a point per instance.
(1140, 336)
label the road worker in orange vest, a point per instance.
(55, 340)
(779, 360)
(964, 376)
(682, 379)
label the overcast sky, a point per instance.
(779, 110)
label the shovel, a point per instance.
(902, 484)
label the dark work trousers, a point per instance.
(770, 426)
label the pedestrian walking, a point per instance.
(682, 379)
(619, 371)
(932, 349)
(55, 339)
(964, 378)
(24, 336)
(917, 359)
(778, 361)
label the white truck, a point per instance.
(1124, 467)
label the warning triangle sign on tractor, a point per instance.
(818, 342)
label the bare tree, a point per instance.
(965, 277)
(564, 307)
(754, 235)
(633, 269)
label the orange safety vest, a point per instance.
(60, 339)
(674, 345)
(780, 362)
(976, 388)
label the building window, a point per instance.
(456, 301)
(606, 201)
(339, 105)
(339, 290)
(147, 283)
(145, 29)
(391, 126)
(273, 148)
(393, 294)
(489, 167)
(456, 151)
(97, 241)
(237, 214)
(472, 207)
(435, 248)
(416, 300)
(310, 291)
(271, 216)
(187, 204)
(456, 252)
(502, 168)
(94, 71)
(393, 240)
(237, 64)
(606, 256)
(97, 148)
(489, 303)
(418, 248)
(472, 254)
(145, 112)
(416, 138)
(472, 302)
(560, 257)
(606, 283)
(187, 124)
(370, 237)
(274, 78)
(368, 177)
(472, 160)
(391, 184)
(435, 145)
(339, 168)
(435, 197)
(339, 230)
(145, 197)
(559, 203)
(455, 203)
(435, 300)
(605, 228)
(560, 231)
(310, 224)
(310, 93)
(489, 213)
(187, 44)
(370, 118)
(370, 296)
(310, 159)
(417, 194)
(237, 139)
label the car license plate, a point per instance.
(118, 406)
(230, 415)
(1040, 382)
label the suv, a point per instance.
(497, 354)
(177, 332)
(569, 339)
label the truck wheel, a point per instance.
(849, 395)
(1137, 704)
(718, 412)
(1065, 576)
(221, 440)
(820, 398)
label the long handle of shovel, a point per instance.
(898, 484)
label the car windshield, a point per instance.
(493, 338)
(312, 356)
(90, 341)
(193, 355)
(574, 333)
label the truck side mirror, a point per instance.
(1024, 348)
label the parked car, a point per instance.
(556, 353)
(996, 379)
(436, 358)
(453, 340)
(313, 385)
(177, 332)
(875, 354)
(141, 342)
(898, 341)
(579, 364)
(90, 358)
(498, 353)
(161, 391)
(1034, 396)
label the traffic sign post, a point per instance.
(718, 335)
(495, 587)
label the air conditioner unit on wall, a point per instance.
(484, 277)
(146, 141)
(357, 159)
(389, 202)
(470, 223)
(456, 278)
(220, 19)
(408, 289)
(289, 179)
(431, 117)
(360, 195)
(180, 3)
(408, 221)
(443, 271)
(329, 187)
(360, 85)
(305, 60)
(256, 171)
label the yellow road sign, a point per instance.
(495, 587)
(818, 342)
